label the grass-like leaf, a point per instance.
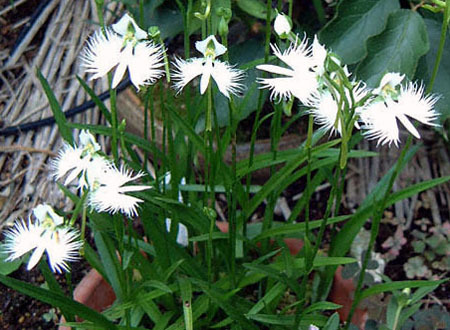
(60, 118)
(399, 285)
(96, 99)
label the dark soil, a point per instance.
(19, 311)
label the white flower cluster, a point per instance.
(125, 45)
(96, 174)
(311, 75)
(48, 234)
(318, 80)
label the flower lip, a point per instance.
(388, 83)
(202, 46)
(122, 27)
(44, 213)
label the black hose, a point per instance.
(24, 31)
(12, 130)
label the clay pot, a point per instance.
(94, 292)
(342, 293)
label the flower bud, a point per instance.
(282, 26)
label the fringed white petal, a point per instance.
(102, 53)
(185, 71)
(228, 78)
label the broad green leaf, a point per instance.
(58, 114)
(332, 323)
(397, 49)
(424, 71)
(255, 8)
(60, 301)
(355, 22)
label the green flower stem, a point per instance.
(232, 200)
(141, 12)
(260, 100)
(445, 23)
(83, 228)
(146, 108)
(153, 135)
(308, 172)
(112, 91)
(268, 30)
(230, 195)
(112, 98)
(99, 9)
(380, 206)
(160, 42)
(207, 201)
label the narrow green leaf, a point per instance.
(158, 285)
(54, 286)
(229, 307)
(96, 99)
(110, 262)
(276, 291)
(186, 297)
(164, 320)
(59, 301)
(415, 189)
(341, 243)
(188, 130)
(296, 228)
(397, 49)
(129, 138)
(356, 21)
(321, 306)
(384, 287)
(288, 320)
(60, 118)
